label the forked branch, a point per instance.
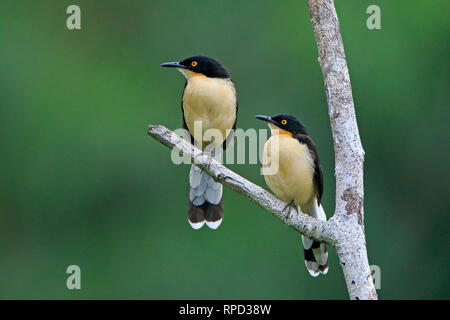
(345, 229)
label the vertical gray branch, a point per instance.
(345, 229)
(349, 154)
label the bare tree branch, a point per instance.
(349, 154)
(303, 223)
(345, 229)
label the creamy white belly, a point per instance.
(294, 179)
(211, 101)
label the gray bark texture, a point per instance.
(345, 229)
(349, 154)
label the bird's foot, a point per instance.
(288, 207)
(207, 160)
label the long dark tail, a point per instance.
(316, 255)
(205, 203)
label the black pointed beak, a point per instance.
(173, 65)
(267, 119)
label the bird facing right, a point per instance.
(298, 178)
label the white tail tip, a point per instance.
(311, 266)
(214, 224)
(196, 225)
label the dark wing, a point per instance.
(318, 177)
(230, 137)
(182, 112)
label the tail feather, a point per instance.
(316, 255)
(196, 217)
(205, 203)
(214, 215)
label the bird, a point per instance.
(296, 178)
(209, 98)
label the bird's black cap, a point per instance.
(200, 64)
(285, 122)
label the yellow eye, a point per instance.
(193, 63)
(283, 121)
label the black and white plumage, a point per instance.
(205, 200)
(297, 178)
(209, 98)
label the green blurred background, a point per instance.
(82, 183)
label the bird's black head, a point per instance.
(285, 122)
(200, 65)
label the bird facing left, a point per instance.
(298, 180)
(209, 98)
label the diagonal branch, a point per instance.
(313, 228)
(345, 229)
